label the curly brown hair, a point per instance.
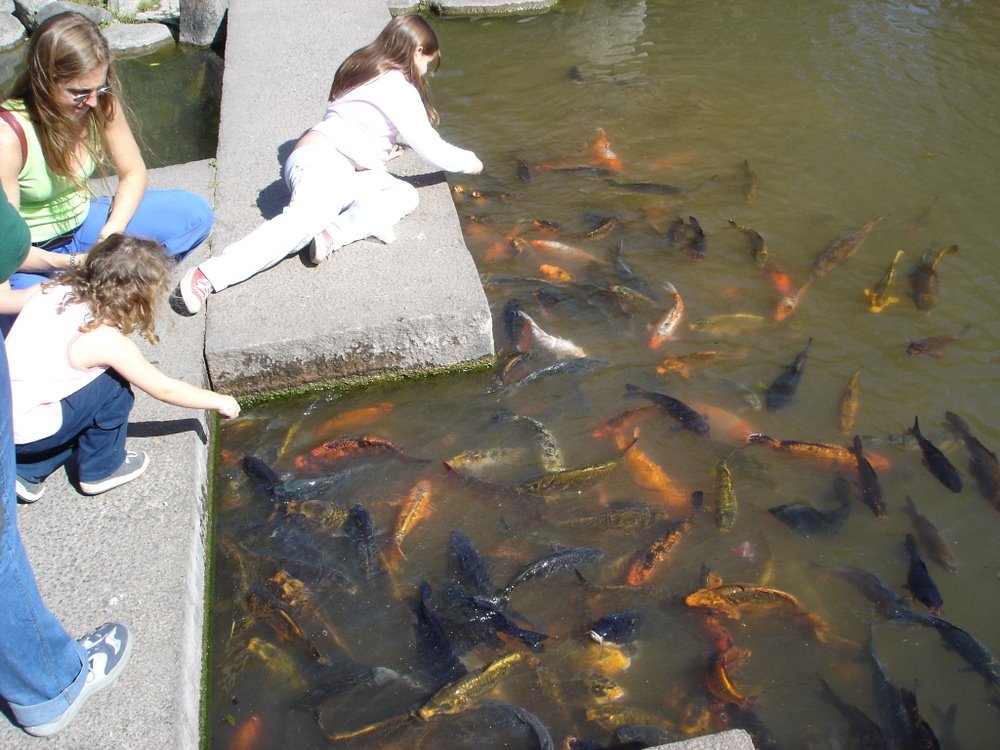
(121, 282)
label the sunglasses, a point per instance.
(81, 98)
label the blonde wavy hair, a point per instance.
(121, 282)
(64, 47)
(393, 49)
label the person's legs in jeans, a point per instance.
(95, 423)
(42, 669)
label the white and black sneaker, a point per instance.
(108, 651)
(28, 492)
(133, 466)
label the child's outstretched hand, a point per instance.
(229, 407)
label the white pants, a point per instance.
(327, 193)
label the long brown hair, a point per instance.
(393, 49)
(64, 47)
(121, 282)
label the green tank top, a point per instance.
(51, 205)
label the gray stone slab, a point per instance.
(12, 31)
(734, 739)
(201, 21)
(467, 8)
(133, 39)
(137, 553)
(371, 309)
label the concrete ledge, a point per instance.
(734, 739)
(137, 553)
(371, 309)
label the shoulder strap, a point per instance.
(9, 118)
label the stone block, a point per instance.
(12, 31)
(95, 14)
(138, 38)
(202, 21)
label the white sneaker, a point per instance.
(321, 246)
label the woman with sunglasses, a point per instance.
(341, 191)
(64, 120)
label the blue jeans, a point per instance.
(178, 219)
(42, 669)
(95, 422)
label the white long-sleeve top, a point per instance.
(368, 120)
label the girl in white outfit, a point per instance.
(341, 191)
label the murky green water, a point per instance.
(846, 112)
(174, 95)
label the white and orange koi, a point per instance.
(668, 321)
(533, 334)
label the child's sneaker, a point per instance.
(28, 492)
(195, 288)
(322, 245)
(108, 651)
(134, 465)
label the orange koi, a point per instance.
(667, 323)
(354, 418)
(413, 510)
(247, 735)
(623, 420)
(790, 302)
(780, 280)
(646, 562)
(554, 272)
(601, 154)
(650, 475)
(335, 450)
(838, 455)
(683, 364)
(717, 676)
(505, 247)
(724, 424)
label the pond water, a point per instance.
(174, 94)
(803, 122)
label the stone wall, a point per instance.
(132, 26)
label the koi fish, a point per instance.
(247, 734)
(871, 489)
(924, 278)
(932, 346)
(936, 461)
(667, 323)
(688, 417)
(724, 424)
(931, 539)
(689, 237)
(336, 450)
(919, 581)
(564, 250)
(758, 246)
(601, 154)
(650, 475)
(878, 296)
(463, 694)
(838, 455)
(557, 481)
(779, 280)
(842, 248)
(717, 675)
(349, 420)
(725, 509)
(848, 406)
(779, 394)
(729, 324)
(983, 464)
(555, 273)
(790, 302)
(557, 346)
(623, 420)
(734, 598)
(683, 364)
(646, 563)
(412, 511)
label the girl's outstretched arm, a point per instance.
(106, 345)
